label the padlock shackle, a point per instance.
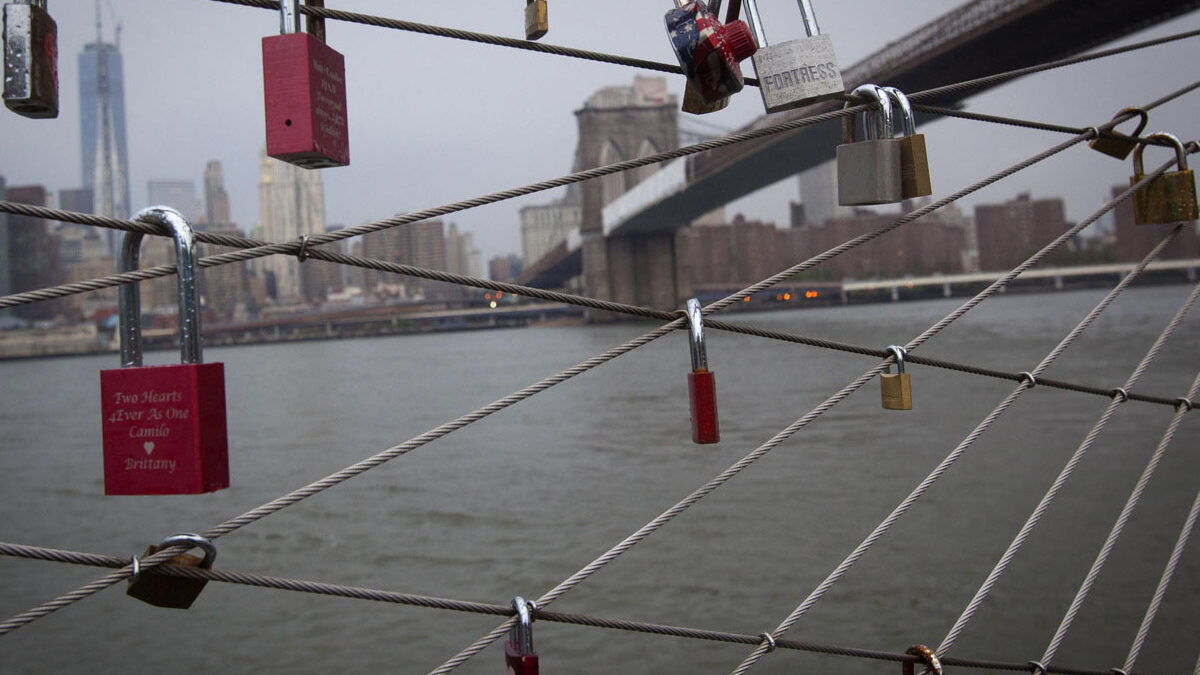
(1180, 152)
(898, 352)
(1145, 118)
(906, 111)
(884, 120)
(809, 17)
(755, 22)
(129, 297)
(192, 540)
(521, 635)
(289, 16)
(696, 336)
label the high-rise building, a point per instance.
(291, 203)
(32, 253)
(819, 195)
(421, 244)
(104, 147)
(176, 193)
(216, 200)
(1009, 233)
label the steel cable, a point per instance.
(936, 474)
(1111, 540)
(1176, 553)
(994, 576)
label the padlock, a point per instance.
(163, 590)
(1120, 147)
(914, 158)
(797, 72)
(708, 51)
(869, 171)
(30, 60)
(896, 388)
(537, 19)
(304, 83)
(519, 655)
(702, 382)
(1171, 197)
(164, 426)
(932, 663)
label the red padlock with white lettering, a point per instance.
(304, 82)
(519, 655)
(164, 426)
(702, 383)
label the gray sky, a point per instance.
(435, 120)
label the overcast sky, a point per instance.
(435, 120)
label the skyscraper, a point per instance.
(177, 194)
(291, 203)
(216, 200)
(102, 128)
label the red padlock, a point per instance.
(519, 655)
(304, 82)
(708, 51)
(164, 426)
(702, 383)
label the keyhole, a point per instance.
(287, 123)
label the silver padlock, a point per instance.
(30, 60)
(869, 171)
(797, 72)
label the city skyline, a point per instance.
(416, 144)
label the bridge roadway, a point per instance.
(977, 39)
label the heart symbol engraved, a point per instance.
(149, 446)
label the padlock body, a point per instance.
(1169, 198)
(897, 391)
(30, 61)
(694, 104)
(537, 19)
(797, 73)
(869, 172)
(914, 167)
(164, 429)
(161, 590)
(1113, 147)
(702, 46)
(702, 392)
(304, 82)
(517, 663)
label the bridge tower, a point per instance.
(617, 124)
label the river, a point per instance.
(518, 502)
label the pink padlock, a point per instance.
(519, 655)
(702, 383)
(164, 426)
(304, 82)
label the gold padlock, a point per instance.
(1121, 147)
(896, 388)
(914, 159)
(537, 19)
(161, 590)
(695, 104)
(1169, 198)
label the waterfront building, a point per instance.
(178, 194)
(216, 199)
(30, 254)
(291, 203)
(421, 244)
(1009, 233)
(1135, 241)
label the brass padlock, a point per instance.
(537, 20)
(1120, 147)
(896, 387)
(914, 158)
(1169, 198)
(161, 590)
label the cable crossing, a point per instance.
(156, 564)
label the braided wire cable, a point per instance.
(482, 643)
(1168, 571)
(390, 453)
(1067, 470)
(1126, 511)
(867, 543)
(450, 604)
